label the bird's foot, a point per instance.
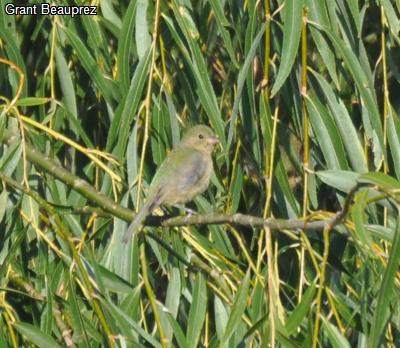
(188, 211)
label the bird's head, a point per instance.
(200, 138)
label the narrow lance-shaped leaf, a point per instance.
(125, 46)
(386, 292)
(91, 67)
(109, 13)
(318, 14)
(143, 39)
(222, 22)
(301, 310)
(197, 311)
(291, 39)
(335, 336)
(120, 126)
(66, 83)
(238, 307)
(35, 335)
(323, 131)
(361, 80)
(345, 125)
(394, 140)
(241, 81)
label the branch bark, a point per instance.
(115, 209)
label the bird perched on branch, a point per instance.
(184, 174)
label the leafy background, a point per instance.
(304, 96)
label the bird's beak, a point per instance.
(213, 140)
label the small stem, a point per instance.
(321, 286)
(306, 139)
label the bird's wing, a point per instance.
(183, 168)
(193, 171)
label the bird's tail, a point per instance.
(147, 208)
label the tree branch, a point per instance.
(113, 208)
(236, 219)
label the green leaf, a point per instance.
(76, 315)
(125, 47)
(178, 333)
(91, 67)
(197, 311)
(95, 37)
(381, 232)
(120, 126)
(132, 159)
(291, 38)
(335, 337)
(361, 80)
(318, 14)
(173, 295)
(142, 36)
(108, 12)
(394, 139)
(14, 55)
(358, 215)
(66, 83)
(127, 324)
(113, 282)
(301, 310)
(380, 179)
(238, 307)
(236, 188)
(222, 22)
(11, 158)
(327, 135)
(288, 202)
(173, 120)
(7, 22)
(345, 125)
(340, 179)
(241, 81)
(386, 294)
(392, 17)
(34, 335)
(221, 317)
(32, 101)
(355, 13)
(3, 203)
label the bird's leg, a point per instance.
(188, 211)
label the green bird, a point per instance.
(184, 174)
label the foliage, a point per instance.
(304, 97)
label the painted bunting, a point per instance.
(185, 173)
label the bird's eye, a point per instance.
(201, 136)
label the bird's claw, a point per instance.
(188, 211)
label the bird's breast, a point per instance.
(189, 181)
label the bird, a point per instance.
(184, 174)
